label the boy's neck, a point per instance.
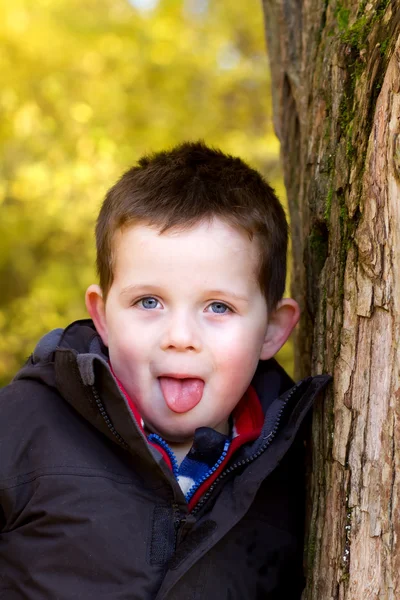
(180, 450)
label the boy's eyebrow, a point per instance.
(136, 287)
(227, 293)
(155, 288)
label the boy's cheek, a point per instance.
(129, 360)
(237, 371)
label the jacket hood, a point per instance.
(80, 337)
(82, 340)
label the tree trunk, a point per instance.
(336, 90)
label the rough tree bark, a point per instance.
(336, 91)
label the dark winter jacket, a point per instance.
(89, 510)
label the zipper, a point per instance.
(253, 457)
(177, 515)
(178, 521)
(107, 419)
(174, 463)
(190, 493)
(154, 437)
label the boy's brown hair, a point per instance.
(189, 184)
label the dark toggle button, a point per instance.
(208, 446)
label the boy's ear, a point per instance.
(96, 308)
(280, 325)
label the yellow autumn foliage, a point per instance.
(87, 87)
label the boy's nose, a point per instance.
(181, 334)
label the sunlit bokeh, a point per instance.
(87, 87)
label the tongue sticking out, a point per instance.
(181, 395)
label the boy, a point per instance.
(151, 453)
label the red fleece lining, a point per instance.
(249, 419)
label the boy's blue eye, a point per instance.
(148, 302)
(219, 308)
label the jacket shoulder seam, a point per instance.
(17, 480)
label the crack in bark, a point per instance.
(391, 498)
(363, 457)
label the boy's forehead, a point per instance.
(213, 244)
(214, 234)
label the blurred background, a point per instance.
(86, 88)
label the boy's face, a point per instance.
(184, 304)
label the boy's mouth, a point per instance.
(181, 394)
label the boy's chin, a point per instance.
(173, 437)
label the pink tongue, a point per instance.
(181, 395)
